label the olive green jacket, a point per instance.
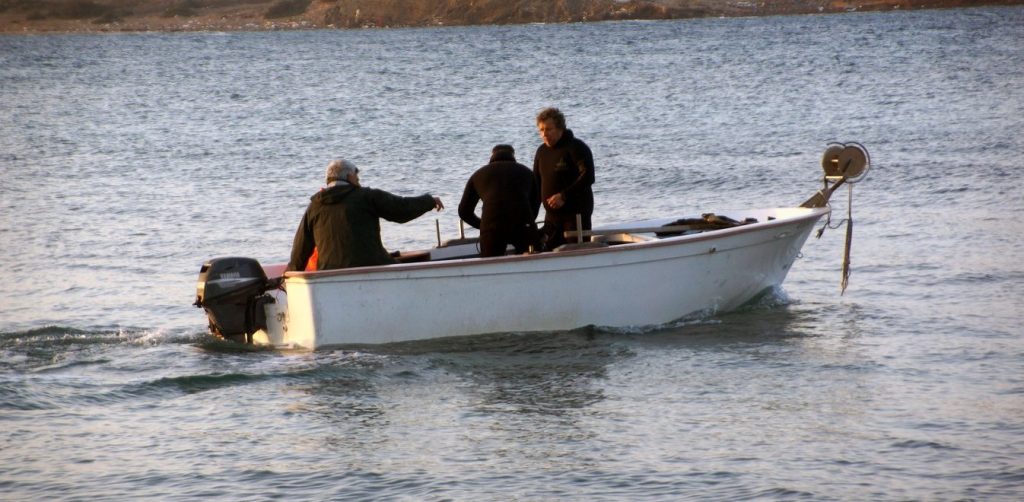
(343, 224)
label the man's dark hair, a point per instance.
(503, 152)
(552, 113)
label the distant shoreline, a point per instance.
(108, 16)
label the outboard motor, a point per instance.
(231, 291)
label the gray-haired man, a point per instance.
(342, 221)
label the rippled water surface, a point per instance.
(128, 160)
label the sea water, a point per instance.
(128, 160)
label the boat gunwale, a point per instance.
(812, 213)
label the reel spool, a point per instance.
(842, 163)
(845, 160)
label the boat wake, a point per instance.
(219, 345)
(68, 335)
(54, 347)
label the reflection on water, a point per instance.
(545, 374)
(349, 400)
(342, 389)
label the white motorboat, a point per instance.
(630, 275)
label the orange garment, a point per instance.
(311, 263)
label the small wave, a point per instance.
(784, 493)
(984, 277)
(266, 366)
(74, 394)
(25, 399)
(65, 336)
(55, 348)
(71, 365)
(191, 384)
(946, 190)
(42, 347)
(220, 345)
(702, 318)
(914, 443)
(43, 332)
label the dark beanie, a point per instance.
(503, 152)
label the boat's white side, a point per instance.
(644, 283)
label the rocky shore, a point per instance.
(86, 16)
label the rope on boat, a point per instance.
(842, 163)
(849, 240)
(848, 221)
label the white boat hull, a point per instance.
(638, 284)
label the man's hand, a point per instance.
(438, 205)
(556, 201)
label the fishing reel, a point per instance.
(842, 163)
(845, 160)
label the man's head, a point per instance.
(551, 125)
(503, 152)
(342, 170)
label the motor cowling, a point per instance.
(232, 292)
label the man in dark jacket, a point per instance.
(511, 203)
(342, 221)
(564, 169)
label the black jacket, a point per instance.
(566, 168)
(510, 195)
(343, 223)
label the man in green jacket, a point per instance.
(342, 222)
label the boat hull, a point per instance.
(646, 283)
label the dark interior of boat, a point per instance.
(467, 247)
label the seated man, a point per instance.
(342, 221)
(511, 201)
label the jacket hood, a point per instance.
(333, 195)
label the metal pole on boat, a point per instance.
(437, 228)
(462, 229)
(579, 228)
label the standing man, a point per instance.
(511, 203)
(342, 221)
(564, 169)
